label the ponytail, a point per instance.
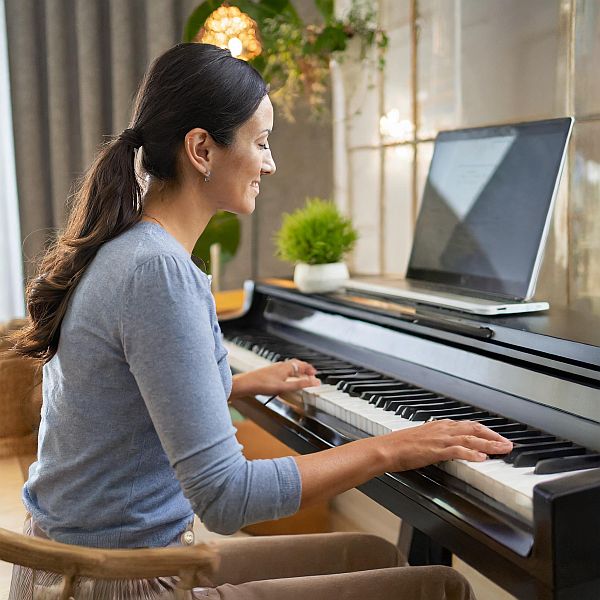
(108, 201)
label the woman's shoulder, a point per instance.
(143, 244)
(147, 250)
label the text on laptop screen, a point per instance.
(486, 206)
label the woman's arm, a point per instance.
(330, 472)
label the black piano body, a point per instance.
(542, 370)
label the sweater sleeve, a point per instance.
(169, 344)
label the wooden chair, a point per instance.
(192, 564)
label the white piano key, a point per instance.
(243, 360)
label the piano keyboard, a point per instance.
(378, 404)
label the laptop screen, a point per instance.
(487, 205)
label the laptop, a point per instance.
(484, 219)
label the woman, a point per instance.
(136, 436)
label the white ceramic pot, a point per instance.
(318, 279)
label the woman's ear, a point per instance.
(198, 146)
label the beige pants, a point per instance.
(339, 566)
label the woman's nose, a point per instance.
(268, 166)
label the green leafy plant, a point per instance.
(316, 234)
(296, 55)
(224, 229)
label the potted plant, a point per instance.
(316, 238)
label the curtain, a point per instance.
(11, 279)
(74, 67)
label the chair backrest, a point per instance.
(20, 397)
(192, 564)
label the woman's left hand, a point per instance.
(285, 376)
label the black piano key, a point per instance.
(302, 356)
(397, 405)
(510, 435)
(323, 373)
(408, 390)
(382, 401)
(509, 428)
(408, 409)
(358, 376)
(356, 389)
(533, 439)
(345, 386)
(322, 365)
(523, 440)
(512, 456)
(444, 413)
(565, 464)
(400, 388)
(472, 416)
(530, 459)
(491, 421)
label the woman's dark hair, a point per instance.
(190, 85)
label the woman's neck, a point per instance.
(179, 211)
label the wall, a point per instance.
(456, 63)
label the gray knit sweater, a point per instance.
(135, 431)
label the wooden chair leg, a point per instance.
(66, 592)
(181, 594)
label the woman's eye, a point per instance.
(263, 146)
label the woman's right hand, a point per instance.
(330, 472)
(437, 441)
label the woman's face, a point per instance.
(235, 177)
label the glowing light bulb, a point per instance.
(235, 46)
(228, 27)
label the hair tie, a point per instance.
(132, 137)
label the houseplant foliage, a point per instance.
(296, 55)
(223, 229)
(316, 238)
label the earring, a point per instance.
(207, 177)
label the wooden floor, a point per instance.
(12, 512)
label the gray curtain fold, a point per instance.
(75, 66)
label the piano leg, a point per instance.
(420, 549)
